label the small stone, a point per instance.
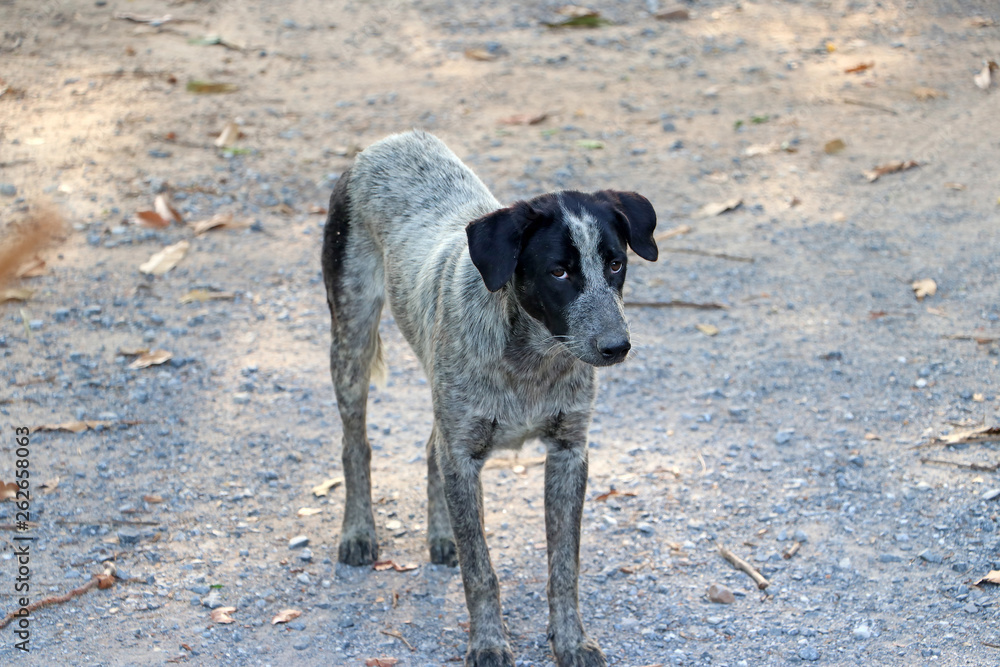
(970, 608)
(720, 594)
(889, 558)
(784, 436)
(213, 600)
(303, 578)
(809, 653)
(306, 555)
(241, 398)
(298, 542)
(645, 528)
(931, 557)
(800, 536)
(301, 645)
(862, 632)
(920, 383)
(8, 189)
(393, 525)
(992, 494)
(128, 536)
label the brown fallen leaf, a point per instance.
(984, 79)
(718, 208)
(150, 219)
(8, 491)
(222, 614)
(217, 221)
(152, 499)
(707, 329)
(23, 241)
(481, 55)
(161, 262)
(923, 93)
(285, 615)
(382, 565)
(381, 662)
(324, 487)
(210, 87)
(72, 427)
(105, 581)
(860, 67)
(524, 119)
(924, 287)
(151, 358)
(203, 295)
(834, 146)
(33, 268)
(230, 133)
(971, 436)
(992, 578)
(612, 494)
(15, 294)
(308, 511)
(166, 210)
(889, 168)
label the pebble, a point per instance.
(809, 653)
(992, 494)
(8, 189)
(784, 436)
(298, 542)
(128, 536)
(213, 600)
(931, 557)
(862, 632)
(306, 555)
(720, 594)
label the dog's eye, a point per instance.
(616, 266)
(560, 274)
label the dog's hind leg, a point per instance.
(354, 277)
(440, 539)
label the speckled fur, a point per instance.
(397, 226)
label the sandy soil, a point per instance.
(791, 414)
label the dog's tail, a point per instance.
(379, 371)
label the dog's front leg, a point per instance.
(487, 640)
(565, 485)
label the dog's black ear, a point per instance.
(638, 219)
(495, 242)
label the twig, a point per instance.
(154, 21)
(126, 522)
(741, 564)
(977, 435)
(675, 304)
(399, 636)
(870, 105)
(104, 580)
(671, 233)
(792, 550)
(982, 340)
(990, 644)
(11, 526)
(706, 253)
(978, 467)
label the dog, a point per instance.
(509, 310)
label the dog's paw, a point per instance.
(443, 551)
(495, 656)
(587, 654)
(358, 550)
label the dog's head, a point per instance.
(564, 256)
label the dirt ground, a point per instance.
(794, 413)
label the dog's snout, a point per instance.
(614, 349)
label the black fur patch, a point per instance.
(335, 238)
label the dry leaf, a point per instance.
(50, 485)
(872, 436)
(317, 210)
(33, 268)
(285, 615)
(978, 398)
(72, 427)
(762, 149)
(217, 221)
(381, 565)
(324, 487)
(15, 294)
(151, 219)
(230, 133)
(860, 67)
(982, 22)
(8, 491)
(209, 87)
(954, 186)
(308, 511)
(924, 287)
(985, 78)
(718, 208)
(132, 351)
(707, 329)
(972, 436)
(889, 168)
(575, 11)
(166, 210)
(222, 614)
(923, 93)
(524, 119)
(381, 662)
(992, 578)
(152, 358)
(166, 259)
(834, 146)
(480, 54)
(105, 581)
(202, 295)
(612, 493)
(152, 499)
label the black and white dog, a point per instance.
(509, 310)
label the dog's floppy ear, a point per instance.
(638, 219)
(495, 242)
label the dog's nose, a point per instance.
(614, 349)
